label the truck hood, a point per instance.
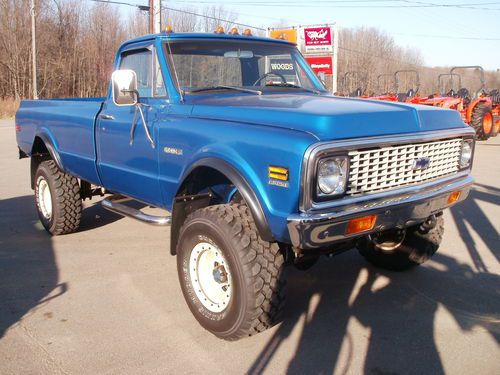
(326, 117)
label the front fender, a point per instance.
(251, 195)
(245, 153)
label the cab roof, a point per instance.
(212, 36)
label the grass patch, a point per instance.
(8, 108)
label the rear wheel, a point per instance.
(232, 280)
(482, 121)
(400, 250)
(57, 198)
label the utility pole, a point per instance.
(154, 16)
(33, 50)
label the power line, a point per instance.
(355, 1)
(213, 18)
(333, 4)
(403, 34)
(377, 56)
(320, 1)
(448, 37)
(141, 7)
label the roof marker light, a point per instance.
(247, 32)
(234, 31)
(219, 30)
(168, 29)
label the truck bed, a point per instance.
(68, 124)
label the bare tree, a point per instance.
(77, 42)
(184, 20)
(215, 16)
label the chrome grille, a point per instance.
(392, 167)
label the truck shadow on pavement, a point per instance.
(29, 276)
(28, 271)
(397, 310)
(470, 213)
(95, 216)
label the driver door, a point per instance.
(128, 163)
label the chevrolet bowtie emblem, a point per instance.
(421, 163)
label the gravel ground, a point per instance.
(106, 300)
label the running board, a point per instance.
(115, 204)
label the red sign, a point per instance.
(318, 39)
(321, 64)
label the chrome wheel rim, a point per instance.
(44, 197)
(210, 277)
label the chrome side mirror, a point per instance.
(124, 87)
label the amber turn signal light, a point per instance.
(453, 197)
(361, 224)
(278, 173)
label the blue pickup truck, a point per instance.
(258, 168)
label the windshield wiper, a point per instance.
(223, 87)
(292, 86)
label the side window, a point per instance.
(146, 67)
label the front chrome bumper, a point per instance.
(316, 229)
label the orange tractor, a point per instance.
(494, 96)
(353, 84)
(411, 94)
(397, 96)
(445, 98)
(387, 95)
(477, 108)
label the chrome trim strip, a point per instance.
(318, 150)
(114, 204)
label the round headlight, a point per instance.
(331, 176)
(466, 155)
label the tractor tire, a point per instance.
(416, 247)
(57, 198)
(482, 121)
(232, 280)
(496, 127)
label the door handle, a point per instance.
(103, 116)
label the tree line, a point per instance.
(77, 40)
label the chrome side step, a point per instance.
(115, 204)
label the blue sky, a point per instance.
(409, 25)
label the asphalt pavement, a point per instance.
(106, 300)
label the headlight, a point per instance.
(332, 176)
(466, 154)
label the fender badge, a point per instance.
(283, 184)
(173, 151)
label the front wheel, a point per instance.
(231, 279)
(399, 250)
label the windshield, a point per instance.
(202, 66)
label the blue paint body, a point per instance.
(247, 131)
